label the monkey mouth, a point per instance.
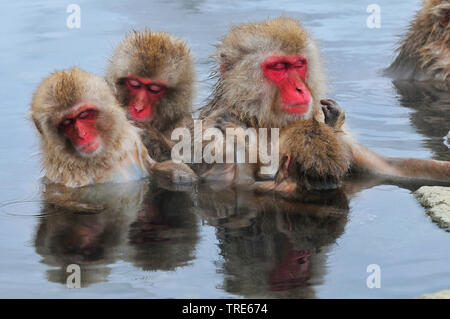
(296, 108)
(141, 115)
(90, 147)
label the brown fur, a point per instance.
(239, 57)
(424, 53)
(313, 154)
(243, 98)
(121, 153)
(157, 56)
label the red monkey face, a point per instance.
(289, 73)
(144, 95)
(81, 129)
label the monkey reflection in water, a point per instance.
(95, 226)
(272, 247)
(431, 117)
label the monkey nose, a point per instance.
(81, 133)
(139, 107)
(299, 90)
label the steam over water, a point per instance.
(134, 240)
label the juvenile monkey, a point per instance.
(152, 76)
(85, 136)
(313, 154)
(424, 52)
(269, 75)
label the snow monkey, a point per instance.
(424, 52)
(85, 136)
(314, 155)
(152, 76)
(269, 75)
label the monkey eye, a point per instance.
(134, 83)
(85, 114)
(278, 66)
(66, 123)
(300, 64)
(154, 88)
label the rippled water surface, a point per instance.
(138, 241)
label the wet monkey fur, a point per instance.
(269, 75)
(313, 155)
(152, 76)
(85, 137)
(424, 52)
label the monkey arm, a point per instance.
(366, 160)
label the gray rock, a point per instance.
(443, 294)
(436, 200)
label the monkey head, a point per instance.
(151, 74)
(270, 72)
(73, 111)
(313, 156)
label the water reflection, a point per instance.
(97, 225)
(272, 247)
(164, 233)
(431, 102)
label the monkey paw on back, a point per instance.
(334, 114)
(313, 155)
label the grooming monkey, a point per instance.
(269, 75)
(85, 136)
(424, 52)
(152, 76)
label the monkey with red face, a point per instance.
(152, 76)
(85, 136)
(270, 76)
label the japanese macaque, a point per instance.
(152, 76)
(424, 53)
(313, 154)
(269, 75)
(85, 136)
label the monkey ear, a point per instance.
(283, 171)
(286, 161)
(445, 18)
(38, 126)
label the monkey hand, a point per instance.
(177, 173)
(334, 114)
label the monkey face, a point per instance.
(143, 96)
(289, 74)
(79, 126)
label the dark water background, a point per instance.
(148, 243)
